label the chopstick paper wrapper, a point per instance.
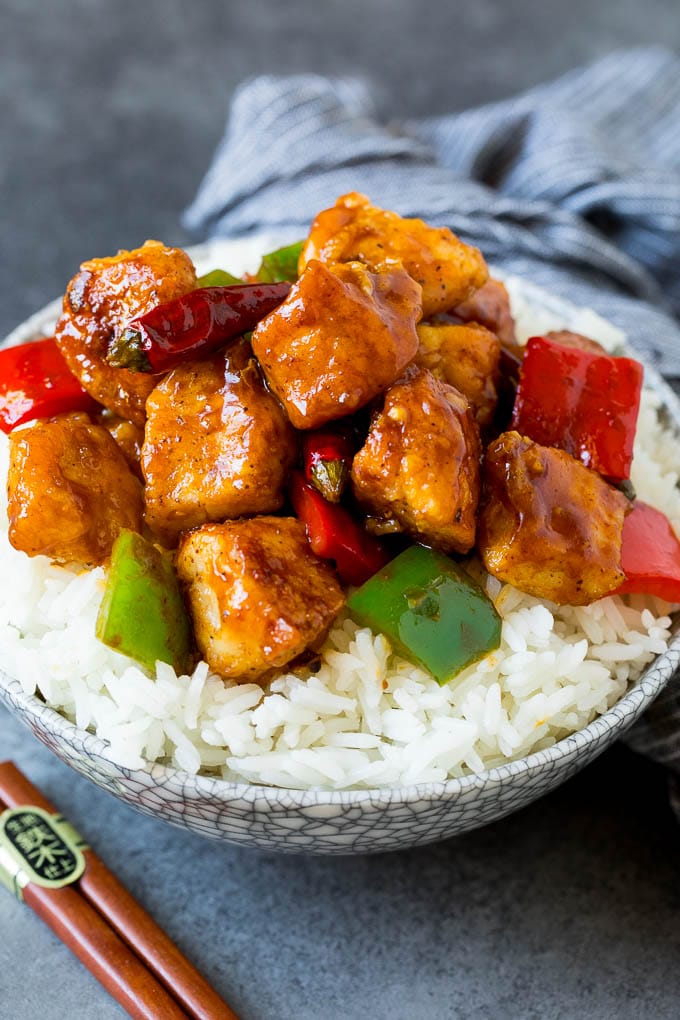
(44, 862)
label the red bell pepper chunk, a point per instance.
(327, 459)
(334, 534)
(36, 382)
(650, 554)
(580, 401)
(193, 326)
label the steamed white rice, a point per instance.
(365, 718)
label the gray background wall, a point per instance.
(112, 108)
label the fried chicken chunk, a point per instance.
(467, 357)
(549, 526)
(420, 462)
(70, 491)
(353, 230)
(490, 307)
(258, 595)
(129, 438)
(100, 300)
(339, 339)
(216, 444)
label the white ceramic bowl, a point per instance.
(357, 821)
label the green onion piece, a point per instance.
(142, 613)
(431, 610)
(217, 278)
(281, 265)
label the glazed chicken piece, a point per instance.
(99, 302)
(353, 230)
(549, 526)
(339, 339)
(216, 444)
(468, 358)
(420, 462)
(129, 438)
(490, 307)
(258, 595)
(70, 491)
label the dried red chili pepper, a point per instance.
(327, 460)
(335, 535)
(650, 554)
(582, 402)
(36, 382)
(193, 325)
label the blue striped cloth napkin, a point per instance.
(574, 184)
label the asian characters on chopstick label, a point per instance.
(38, 847)
(260, 446)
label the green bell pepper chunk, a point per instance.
(142, 613)
(217, 278)
(431, 610)
(280, 266)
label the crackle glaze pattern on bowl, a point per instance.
(342, 822)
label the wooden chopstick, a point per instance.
(160, 953)
(105, 955)
(100, 894)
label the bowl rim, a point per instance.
(620, 716)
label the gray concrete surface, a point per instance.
(568, 909)
(110, 112)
